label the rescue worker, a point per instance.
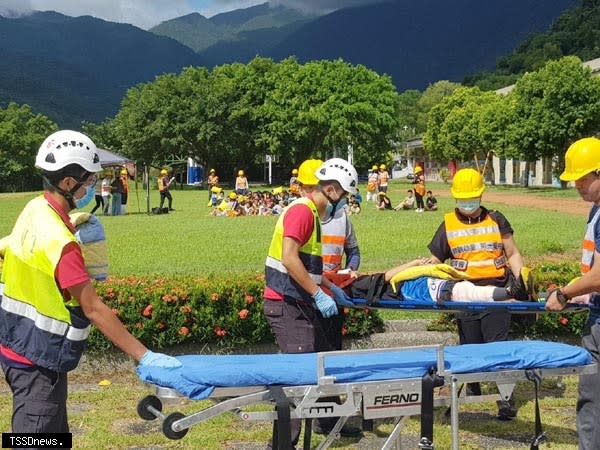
(384, 177)
(47, 300)
(480, 243)
(163, 186)
(295, 306)
(582, 165)
(294, 187)
(125, 194)
(338, 239)
(212, 182)
(419, 182)
(373, 184)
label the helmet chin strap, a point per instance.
(68, 195)
(333, 202)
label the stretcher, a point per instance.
(375, 383)
(512, 306)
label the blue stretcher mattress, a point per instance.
(201, 374)
(514, 307)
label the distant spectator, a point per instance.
(241, 183)
(419, 182)
(430, 202)
(384, 176)
(373, 184)
(408, 202)
(383, 201)
(212, 181)
(106, 188)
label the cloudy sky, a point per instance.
(147, 13)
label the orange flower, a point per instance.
(214, 297)
(249, 299)
(219, 331)
(185, 309)
(148, 311)
(564, 321)
(183, 331)
(243, 314)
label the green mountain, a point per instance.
(79, 68)
(199, 33)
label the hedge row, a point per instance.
(163, 312)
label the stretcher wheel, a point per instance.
(142, 407)
(169, 421)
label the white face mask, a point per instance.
(468, 206)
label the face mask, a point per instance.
(468, 206)
(90, 191)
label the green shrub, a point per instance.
(227, 312)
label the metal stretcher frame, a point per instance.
(399, 398)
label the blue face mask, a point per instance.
(468, 206)
(90, 191)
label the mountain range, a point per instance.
(75, 69)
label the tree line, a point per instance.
(235, 114)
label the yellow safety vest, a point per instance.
(477, 248)
(35, 321)
(277, 277)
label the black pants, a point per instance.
(419, 200)
(167, 195)
(300, 328)
(99, 202)
(39, 400)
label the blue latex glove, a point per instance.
(159, 360)
(340, 296)
(325, 304)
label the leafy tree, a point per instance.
(553, 107)
(431, 97)
(21, 133)
(408, 111)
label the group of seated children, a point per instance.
(384, 202)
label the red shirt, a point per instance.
(298, 224)
(70, 271)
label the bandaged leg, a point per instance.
(465, 291)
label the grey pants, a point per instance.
(588, 403)
(39, 399)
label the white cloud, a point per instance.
(147, 13)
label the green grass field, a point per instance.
(189, 241)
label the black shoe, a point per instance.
(171, 209)
(505, 410)
(347, 430)
(523, 287)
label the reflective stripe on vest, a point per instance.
(477, 248)
(334, 238)
(589, 245)
(35, 321)
(277, 277)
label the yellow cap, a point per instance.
(418, 169)
(582, 157)
(307, 172)
(164, 172)
(232, 195)
(211, 171)
(383, 167)
(240, 173)
(294, 171)
(124, 172)
(467, 183)
(374, 167)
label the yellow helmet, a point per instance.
(294, 171)
(382, 167)
(164, 172)
(582, 157)
(374, 167)
(418, 169)
(240, 173)
(467, 183)
(211, 171)
(232, 195)
(307, 172)
(124, 172)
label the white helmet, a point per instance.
(68, 147)
(339, 170)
